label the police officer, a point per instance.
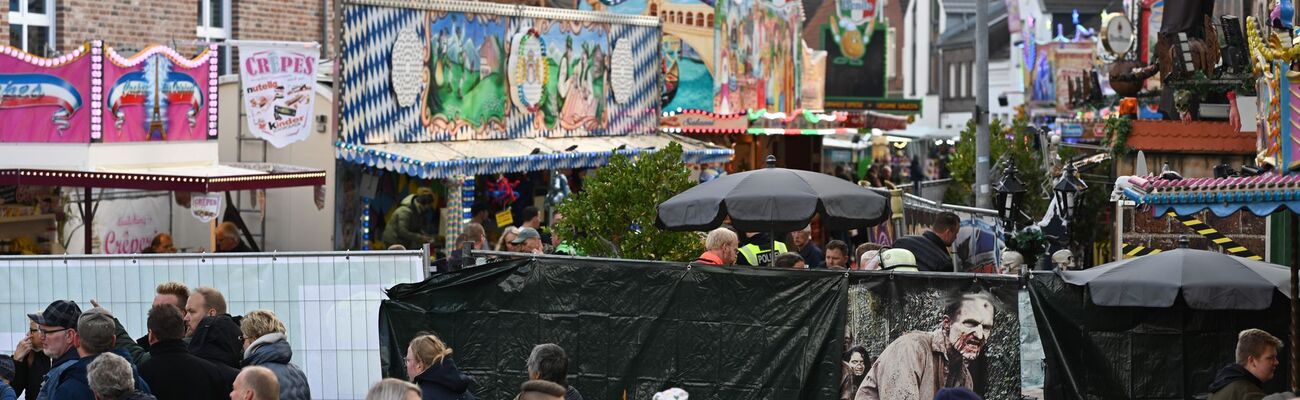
(759, 249)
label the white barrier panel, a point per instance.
(328, 301)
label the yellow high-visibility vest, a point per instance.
(753, 255)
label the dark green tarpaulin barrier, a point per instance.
(1096, 352)
(631, 327)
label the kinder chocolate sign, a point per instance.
(279, 91)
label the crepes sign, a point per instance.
(278, 90)
(205, 206)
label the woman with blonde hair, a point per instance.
(393, 389)
(429, 364)
(266, 345)
(508, 235)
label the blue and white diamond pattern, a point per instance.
(640, 115)
(369, 111)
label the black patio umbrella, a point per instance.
(773, 200)
(1207, 280)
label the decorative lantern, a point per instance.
(1010, 192)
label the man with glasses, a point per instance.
(30, 363)
(58, 327)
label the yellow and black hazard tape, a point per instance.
(1215, 236)
(1133, 250)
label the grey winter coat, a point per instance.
(272, 351)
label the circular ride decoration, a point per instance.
(528, 70)
(622, 77)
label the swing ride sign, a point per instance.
(279, 90)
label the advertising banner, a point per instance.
(278, 83)
(157, 95)
(44, 100)
(909, 335)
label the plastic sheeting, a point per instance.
(1097, 352)
(631, 327)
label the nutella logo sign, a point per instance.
(275, 62)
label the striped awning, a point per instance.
(437, 160)
(1262, 195)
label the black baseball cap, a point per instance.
(60, 313)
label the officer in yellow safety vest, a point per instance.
(759, 249)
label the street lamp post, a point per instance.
(1067, 189)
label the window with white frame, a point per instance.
(214, 26)
(31, 26)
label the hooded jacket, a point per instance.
(444, 381)
(217, 340)
(406, 225)
(272, 351)
(1234, 382)
(173, 373)
(55, 376)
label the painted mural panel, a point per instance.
(417, 75)
(465, 65)
(157, 95)
(688, 54)
(558, 77)
(44, 100)
(757, 56)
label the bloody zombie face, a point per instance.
(970, 328)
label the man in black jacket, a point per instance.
(174, 293)
(214, 335)
(931, 247)
(171, 371)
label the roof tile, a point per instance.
(1190, 137)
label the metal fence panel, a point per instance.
(328, 301)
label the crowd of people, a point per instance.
(928, 251)
(193, 348)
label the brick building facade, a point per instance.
(131, 25)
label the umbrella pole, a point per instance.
(771, 261)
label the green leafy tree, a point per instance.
(1014, 144)
(616, 209)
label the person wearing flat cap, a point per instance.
(58, 325)
(528, 241)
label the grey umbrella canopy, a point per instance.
(1207, 280)
(773, 200)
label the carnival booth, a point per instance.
(94, 122)
(487, 107)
